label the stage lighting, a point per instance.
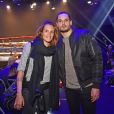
(64, 1)
(1, 1)
(53, 8)
(33, 6)
(89, 2)
(8, 7)
(48, 2)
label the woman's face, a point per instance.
(48, 34)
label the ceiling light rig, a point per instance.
(64, 1)
(17, 2)
(90, 2)
(21, 4)
(8, 7)
(1, 1)
(33, 6)
(47, 2)
(2, 4)
(53, 4)
(53, 8)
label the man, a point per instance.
(80, 63)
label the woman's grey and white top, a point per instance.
(23, 61)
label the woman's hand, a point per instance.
(19, 102)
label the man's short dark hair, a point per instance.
(63, 12)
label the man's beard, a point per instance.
(63, 31)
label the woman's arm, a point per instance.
(20, 76)
(19, 101)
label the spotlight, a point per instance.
(8, 7)
(48, 2)
(33, 6)
(53, 8)
(64, 1)
(96, 3)
(89, 2)
(18, 4)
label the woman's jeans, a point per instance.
(31, 109)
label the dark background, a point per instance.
(22, 20)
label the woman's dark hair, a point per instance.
(40, 30)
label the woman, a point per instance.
(37, 79)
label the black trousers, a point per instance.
(77, 98)
(29, 109)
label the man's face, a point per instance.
(64, 23)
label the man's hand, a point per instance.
(95, 93)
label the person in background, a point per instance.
(38, 84)
(110, 56)
(13, 70)
(80, 61)
(12, 58)
(18, 58)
